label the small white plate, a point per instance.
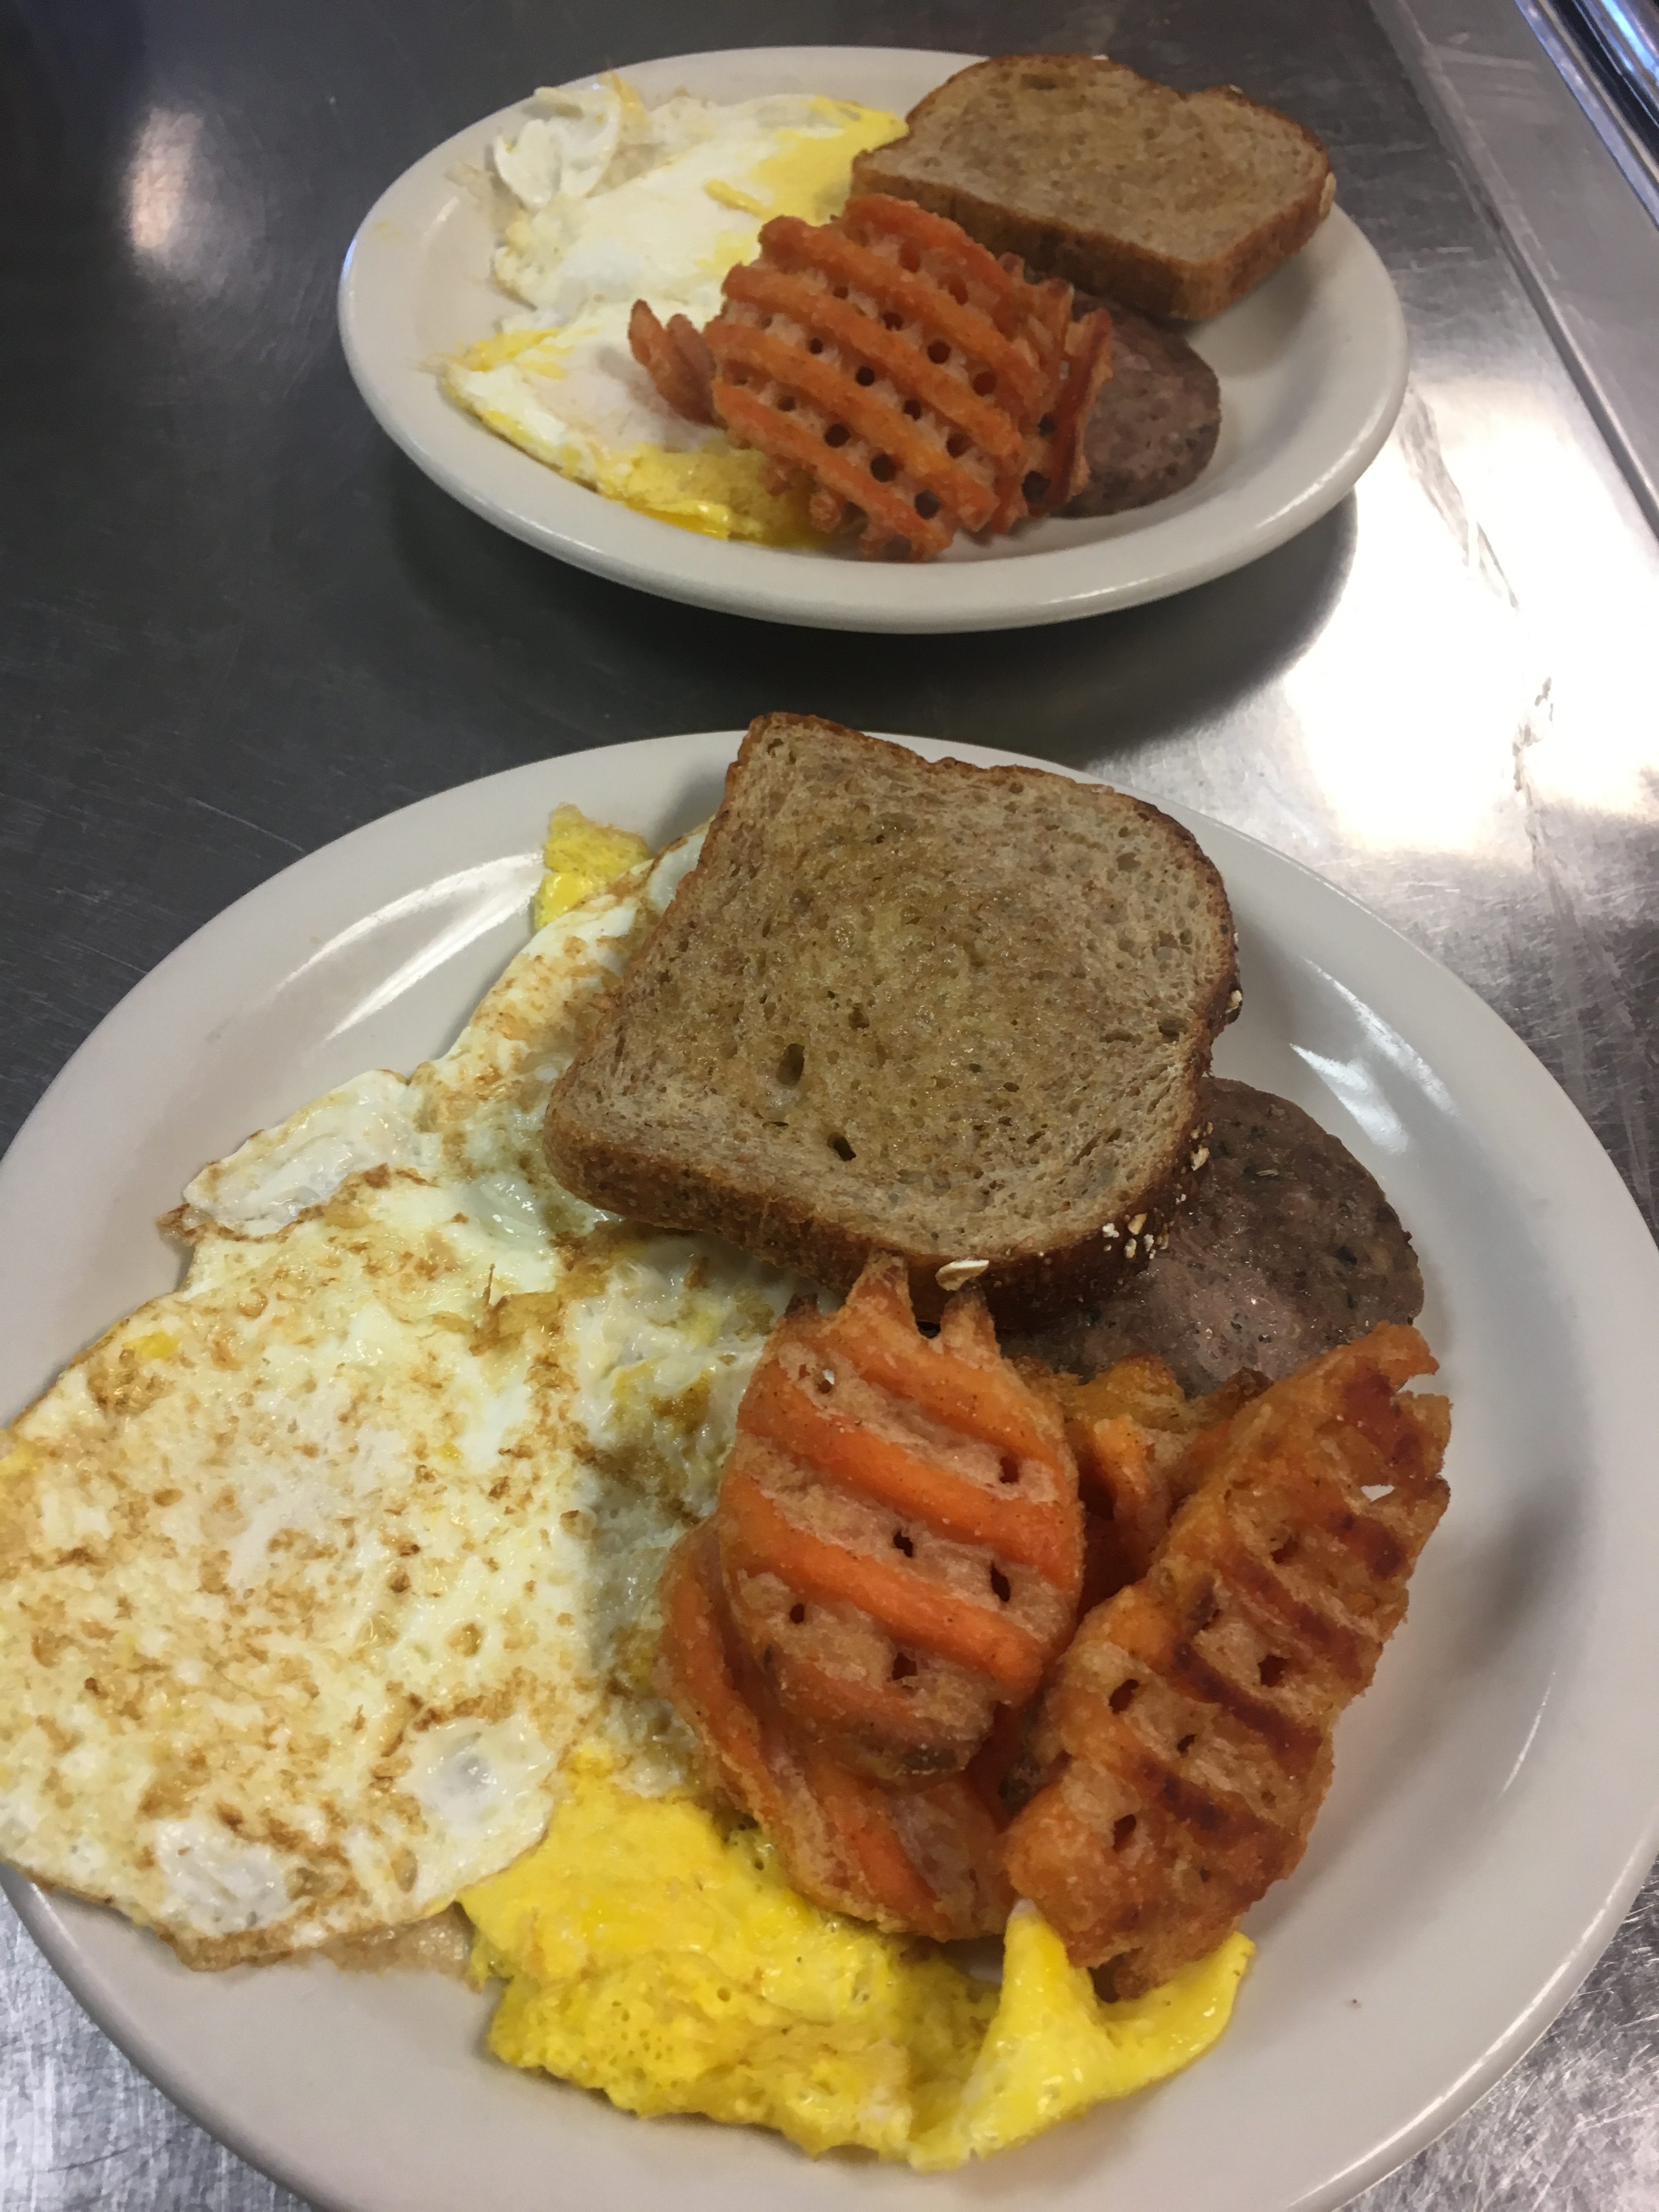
(1312, 367)
(1497, 1797)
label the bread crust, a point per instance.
(1023, 1285)
(1022, 1289)
(1096, 260)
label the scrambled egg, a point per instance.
(580, 857)
(608, 201)
(650, 1953)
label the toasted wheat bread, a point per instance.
(1176, 203)
(957, 1014)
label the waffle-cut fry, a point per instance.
(1185, 1735)
(912, 379)
(925, 295)
(1142, 1446)
(821, 396)
(676, 359)
(899, 1530)
(760, 1540)
(923, 1862)
(1048, 312)
(898, 1475)
(905, 227)
(1059, 464)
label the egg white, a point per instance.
(318, 1567)
(601, 201)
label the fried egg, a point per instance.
(608, 201)
(318, 1567)
(332, 1600)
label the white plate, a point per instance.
(1497, 1792)
(1312, 367)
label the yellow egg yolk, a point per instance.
(652, 1954)
(809, 174)
(712, 488)
(514, 381)
(580, 858)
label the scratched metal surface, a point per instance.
(238, 623)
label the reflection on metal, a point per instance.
(158, 182)
(1628, 31)
(1610, 59)
(1523, 114)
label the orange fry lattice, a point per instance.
(912, 378)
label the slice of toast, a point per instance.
(1176, 203)
(961, 1014)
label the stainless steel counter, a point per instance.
(238, 623)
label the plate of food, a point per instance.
(780, 1532)
(870, 338)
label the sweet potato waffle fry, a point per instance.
(920, 1861)
(919, 385)
(675, 355)
(1186, 1736)
(900, 1535)
(1142, 1446)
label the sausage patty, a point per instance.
(1154, 426)
(1287, 1249)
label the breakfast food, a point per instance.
(444, 1537)
(1153, 428)
(900, 1537)
(659, 1955)
(1261, 1545)
(1188, 1731)
(709, 331)
(313, 1572)
(600, 200)
(580, 857)
(911, 383)
(1176, 204)
(1142, 1446)
(1287, 1249)
(959, 1013)
(922, 1860)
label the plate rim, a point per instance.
(57, 1940)
(761, 583)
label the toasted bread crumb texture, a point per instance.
(947, 1011)
(1177, 202)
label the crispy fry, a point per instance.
(675, 358)
(900, 1476)
(1060, 465)
(1141, 1446)
(909, 376)
(920, 1861)
(1187, 1733)
(900, 1534)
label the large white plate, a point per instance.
(1312, 367)
(1497, 1792)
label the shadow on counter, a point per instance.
(1071, 692)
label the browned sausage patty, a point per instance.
(1287, 1249)
(1155, 425)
